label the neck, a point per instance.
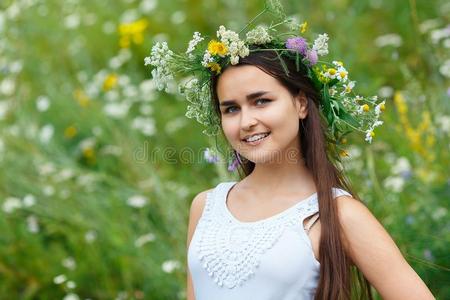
(287, 174)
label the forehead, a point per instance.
(238, 81)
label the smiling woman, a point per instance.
(295, 221)
(291, 227)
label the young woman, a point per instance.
(288, 180)
(291, 227)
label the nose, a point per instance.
(248, 120)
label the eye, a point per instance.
(263, 100)
(260, 100)
(227, 110)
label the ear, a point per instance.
(301, 104)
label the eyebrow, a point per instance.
(249, 97)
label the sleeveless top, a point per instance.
(270, 259)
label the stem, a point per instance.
(373, 175)
(278, 24)
(251, 21)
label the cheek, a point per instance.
(230, 128)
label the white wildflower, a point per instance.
(46, 133)
(236, 47)
(444, 122)
(70, 284)
(348, 87)
(207, 58)
(394, 183)
(258, 36)
(69, 263)
(145, 124)
(429, 24)
(321, 44)
(32, 224)
(90, 236)
(72, 21)
(170, 265)
(147, 6)
(142, 240)
(29, 200)
(59, 279)
(391, 39)
(331, 73)
(71, 296)
(7, 86)
(439, 34)
(193, 43)
(4, 108)
(160, 58)
(42, 103)
(439, 213)
(137, 201)
(401, 166)
(48, 190)
(342, 74)
(369, 135)
(445, 68)
(178, 17)
(116, 110)
(332, 91)
(385, 91)
(377, 123)
(11, 204)
(378, 108)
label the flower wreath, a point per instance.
(343, 110)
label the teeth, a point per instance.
(256, 137)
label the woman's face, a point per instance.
(253, 102)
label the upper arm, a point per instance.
(374, 252)
(195, 213)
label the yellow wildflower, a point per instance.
(132, 32)
(110, 82)
(88, 152)
(321, 75)
(400, 102)
(365, 107)
(343, 153)
(303, 27)
(217, 48)
(70, 132)
(215, 67)
(382, 107)
(81, 97)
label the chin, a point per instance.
(262, 156)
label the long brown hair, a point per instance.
(339, 279)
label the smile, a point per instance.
(256, 139)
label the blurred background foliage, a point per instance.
(98, 169)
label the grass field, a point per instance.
(98, 168)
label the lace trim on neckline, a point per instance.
(231, 251)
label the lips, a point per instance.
(251, 135)
(259, 140)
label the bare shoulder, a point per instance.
(198, 203)
(375, 253)
(356, 219)
(196, 210)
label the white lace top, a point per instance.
(267, 259)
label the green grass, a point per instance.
(82, 181)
